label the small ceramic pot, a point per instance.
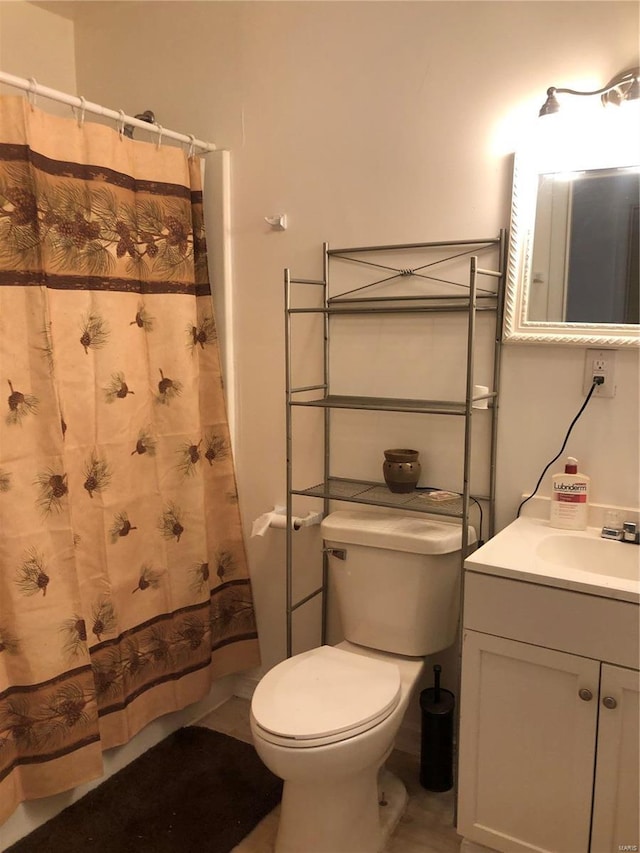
(401, 469)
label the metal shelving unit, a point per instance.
(474, 301)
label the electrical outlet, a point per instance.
(600, 363)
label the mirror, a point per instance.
(573, 275)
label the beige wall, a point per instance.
(37, 43)
(368, 122)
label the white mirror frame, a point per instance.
(553, 150)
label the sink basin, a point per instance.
(600, 556)
(530, 549)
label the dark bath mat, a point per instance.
(197, 790)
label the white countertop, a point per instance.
(512, 553)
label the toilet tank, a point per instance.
(397, 580)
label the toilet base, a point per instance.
(394, 799)
(364, 810)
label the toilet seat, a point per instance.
(324, 696)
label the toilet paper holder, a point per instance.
(277, 518)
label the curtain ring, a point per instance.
(160, 132)
(82, 112)
(31, 94)
(192, 145)
(120, 124)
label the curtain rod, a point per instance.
(33, 89)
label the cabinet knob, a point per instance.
(585, 694)
(609, 702)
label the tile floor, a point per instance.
(425, 827)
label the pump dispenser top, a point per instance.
(570, 498)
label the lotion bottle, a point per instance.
(570, 498)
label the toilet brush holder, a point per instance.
(436, 754)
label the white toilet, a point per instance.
(325, 720)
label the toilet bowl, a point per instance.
(325, 722)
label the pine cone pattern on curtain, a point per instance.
(124, 589)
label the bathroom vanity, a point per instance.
(549, 721)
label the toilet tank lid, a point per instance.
(409, 533)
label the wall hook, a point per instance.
(277, 222)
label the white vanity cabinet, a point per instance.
(616, 801)
(549, 719)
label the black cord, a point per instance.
(564, 444)
(477, 503)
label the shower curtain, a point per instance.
(124, 589)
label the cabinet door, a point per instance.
(616, 805)
(527, 745)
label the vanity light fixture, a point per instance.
(623, 87)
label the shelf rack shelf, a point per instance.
(377, 494)
(471, 302)
(390, 404)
